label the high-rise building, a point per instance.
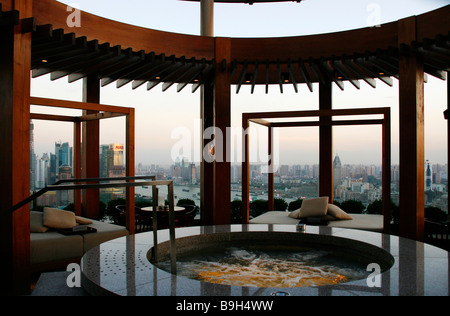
(116, 152)
(112, 160)
(337, 171)
(63, 154)
(65, 197)
(104, 159)
(42, 171)
(428, 180)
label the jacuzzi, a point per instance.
(125, 267)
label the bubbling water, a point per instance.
(279, 267)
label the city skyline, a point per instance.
(158, 114)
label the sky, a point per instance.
(160, 116)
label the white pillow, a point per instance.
(55, 218)
(338, 213)
(316, 207)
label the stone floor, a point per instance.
(54, 284)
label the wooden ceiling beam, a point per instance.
(292, 76)
(153, 75)
(280, 75)
(241, 76)
(331, 74)
(383, 67)
(316, 70)
(175, 70)
(255, 76)
(101, 54)
(361, 62)
(128, 76)
(107, 60)
(353, 68)
(179, 75)
(43, 68)
(192, 76)
(346, 74)
(305, 75)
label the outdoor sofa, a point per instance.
(52, 249)
(329, 215)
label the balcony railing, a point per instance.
(85, 184)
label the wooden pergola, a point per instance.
(87, 152)
(325, 123)
(36, 38)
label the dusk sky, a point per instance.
(159, 114)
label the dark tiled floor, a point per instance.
(54, 284)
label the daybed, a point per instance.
(359, 221)
(319, 207)
(51, 249)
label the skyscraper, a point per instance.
(337, 171)
(63, 154)
(428, 180)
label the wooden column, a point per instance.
(386, 172)
(245, 170)
(222, 121)
(448, 142)
(91, 148)
(77, 164)
(130, 170)
(270, 174)
(15, 65)
(326, 143)
(412, 157)
(206, 166)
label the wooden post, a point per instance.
(270, 174)
(386, 172)
(91, 148)
(77, 164)
(206, 167)
(15, 65)
(448, 142)
(326, 143)
(412, 156)
(222, 122)
(245, 170)
(130, 170)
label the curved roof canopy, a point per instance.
(121, 53)
(249, 1)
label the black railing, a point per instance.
(60, 186)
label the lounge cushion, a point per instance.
(316, 207)
(359, 221)
(83, 221)
(338, 213)
(36, 223)
(58, 219)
